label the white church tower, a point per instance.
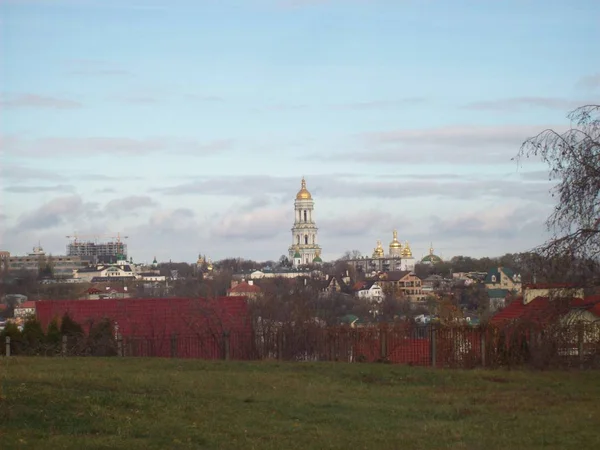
(305, 248)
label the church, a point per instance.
(305, 247)
(399, 257)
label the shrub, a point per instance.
(101, 340)
(33, 337)
(16, 339)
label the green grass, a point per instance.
(96, 403)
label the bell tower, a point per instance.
(304, 232)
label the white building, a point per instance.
(305, 245)
(370, 290)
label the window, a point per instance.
(298, 236)
(305, 215)
(313, 238)
(493, 278)
(306, 239)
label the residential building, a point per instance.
(244, 289)
(98, 253)
(60, 265)
(402, 283)
(25, 310)
(368, 290)
(503, 278)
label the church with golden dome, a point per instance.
(305, 247)
(398, 257)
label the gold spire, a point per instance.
(395, 243)
(406, 252)
(303, 193)
(431, 248)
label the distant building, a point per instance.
(431, 258)
(503, 278)
(244, 289)
(25, 310)
(61, 266)
(108, 272)
(399, 257)
(403, 283)
(305, 247)
(98, 253)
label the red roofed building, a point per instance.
(245, 289)
(544, 310)
(25, 309)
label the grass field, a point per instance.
(95, 403)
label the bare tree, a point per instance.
(573, 158)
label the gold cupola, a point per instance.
(407, 252)
(395, 242)
(378, 252)
(303, 193)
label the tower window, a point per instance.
(305, 216)
(298, 236)
(313, 238)
(306, 239)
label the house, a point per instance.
(106, 273)
(25, 310)
(498, 298)
(544, 310)
(244, 289)
(368, 290)
(503, 278)
(432, 283)
(403, 283)
(336, 284)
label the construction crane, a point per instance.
(76, 236)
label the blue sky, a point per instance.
(187, 125)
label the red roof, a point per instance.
(358, 285)
(29, 304)
(543, 309)
(3, 306)
(243, 288)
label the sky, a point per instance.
(187, 125)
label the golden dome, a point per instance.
(303, 193)
(395, 243)
(406, 252)
(378, 252)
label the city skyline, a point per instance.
(188, 126)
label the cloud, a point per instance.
(382, 104)
(37, 101)
(128, 205)
(39, 189)
(340, 187)
(455, 145)
(255, 224)
(203, 98)
(361, 223)
(16, 173)
(59, 211)
(590, 81)
(51, 147)
(516, 103)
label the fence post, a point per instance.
(119, 345)
(174, 345)
(226, 342)
(580, 341)
(280, 344)
(7, 345)
(64, 346)
(383, 342)
(482, 331)
(433, 345)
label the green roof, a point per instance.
(498, 293)
(317, 259)
(297, 254)
(496, 272)
(432, 259)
